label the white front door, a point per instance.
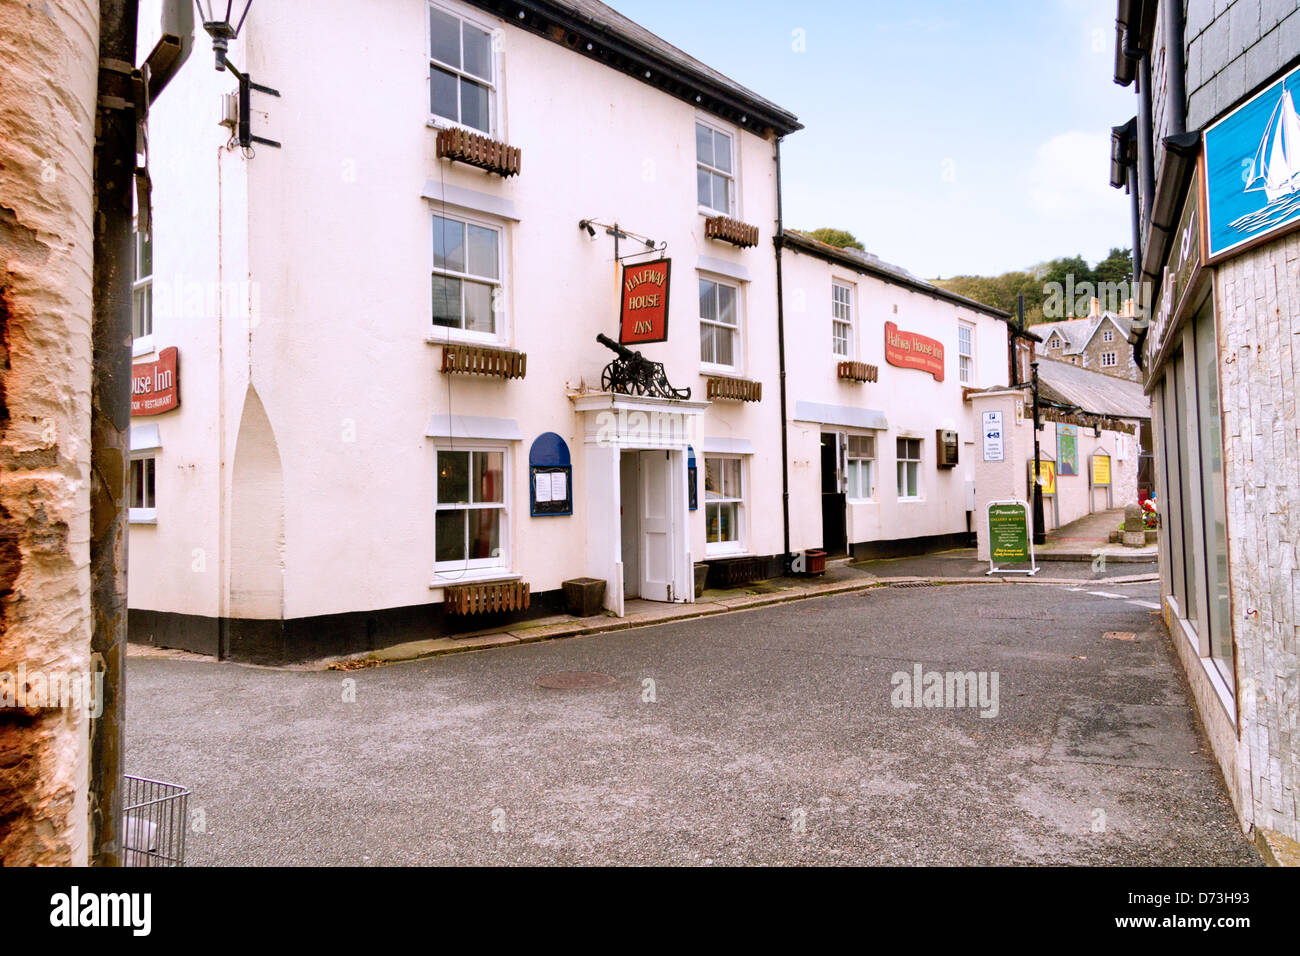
(656, 518)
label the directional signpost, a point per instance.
(1010, 538)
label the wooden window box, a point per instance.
(734, 389)
(487, 598)
(473, 149)
(734, 231)
(857, 372)
(734, 572)
(482, 360)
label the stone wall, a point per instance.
(1234, 46)
(1258, 303)
(48, 64)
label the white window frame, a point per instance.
(738, 545)
(842, 319)
(1113, 359)
(148, 514)
(1108, 335)
(733, 193)
(899, 462)
(141, 344)
(493, 84)
(869, 461)
(500, 297)
(966, 360)
(738, 330)
(454, 572)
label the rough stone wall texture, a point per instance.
(1125, 365)
(48, 62)
(1259, 343)
(1233, 46)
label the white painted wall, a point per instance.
(915, 405)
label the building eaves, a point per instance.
(868, 264)
(598, 31)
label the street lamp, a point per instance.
(221, 26)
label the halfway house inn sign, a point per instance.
(155, 386)
(912, 350)
(643, 314)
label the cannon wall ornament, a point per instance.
(633, 374)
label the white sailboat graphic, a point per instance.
(1275, 168)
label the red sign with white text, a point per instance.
(910, 350)
(156, 386)
(643, 314)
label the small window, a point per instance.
(719, 324)
(714, 176)
(461, 81)
(143, 490)
(965, 353)
(1108, 335)
(841, 319)
(723, 502)
(466, 275)
(469, 527)
(861, 467)
(142, 286)
(909, 468)
(1108, 359)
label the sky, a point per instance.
(951, 137)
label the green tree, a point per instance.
(840, 238)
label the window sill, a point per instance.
(142, 346)
(145, 516)
(725, 551)
(911, 501)
(723, 371)
(450, 579)
(873, 501)
(708, 213)
(447, 336)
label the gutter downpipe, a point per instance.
(1175, 69)
(779, 242)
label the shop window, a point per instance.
(719, 324)
(714, 170)
(861, 467)
(470, 520)
(467, 287)
(143, 491)
(965, 353)
(842, 319)
(724, 502)
(142, 287)
(1218, 613)
(462, 81)
(909, 469)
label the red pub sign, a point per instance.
(910, 350)
(155, 386)
(643, 314)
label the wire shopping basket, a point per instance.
(154, 818)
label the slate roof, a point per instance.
(1094, 392)
(872, 264)
(1076, 333)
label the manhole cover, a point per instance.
(1120, 636)
(574, 680)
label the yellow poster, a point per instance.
(1047, 476)
(1100, 470)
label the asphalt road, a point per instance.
(771, 739)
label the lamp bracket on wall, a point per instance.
(650, 246)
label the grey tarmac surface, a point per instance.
(771, 740)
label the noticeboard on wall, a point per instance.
(1067, 450)
(550, 477)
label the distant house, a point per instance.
(1097, 341)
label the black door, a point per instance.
(834, 531)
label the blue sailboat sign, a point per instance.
(1252, 162)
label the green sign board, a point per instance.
(1009, 536)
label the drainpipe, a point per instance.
(1146, 145)
(779, 242)
(1175, 69)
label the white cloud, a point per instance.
(1070, 177)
